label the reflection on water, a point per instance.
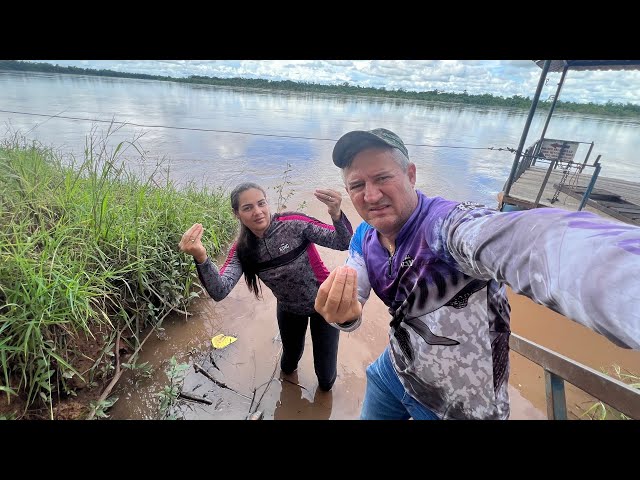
(221, 136)
(297, 403)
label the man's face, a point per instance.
(381, 192)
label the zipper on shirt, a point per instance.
(266, 247)
(390, 262)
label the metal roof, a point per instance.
(559, 65)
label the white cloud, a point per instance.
(503, 78)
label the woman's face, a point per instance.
(253, 211)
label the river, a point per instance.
(219, 136)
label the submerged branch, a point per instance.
(201, 370)
(195, 398)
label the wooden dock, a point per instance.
(610, 198)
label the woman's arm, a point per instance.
(336, 236)
(220, 283)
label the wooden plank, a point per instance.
(620, 203)
(609, 211)
(519, 202)
(628, 209)
(603, 182)
(613, 213)
(625, 193)
(617, 181)
(596, 192)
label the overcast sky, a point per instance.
(503, 78)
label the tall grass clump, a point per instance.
(88, 254)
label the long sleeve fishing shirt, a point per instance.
(445, 289)
(289, 263)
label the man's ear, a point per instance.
(411, 171)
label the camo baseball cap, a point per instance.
(353, 142)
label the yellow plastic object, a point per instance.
(221, 341)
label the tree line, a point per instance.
(516, 101)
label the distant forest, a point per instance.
(609, 109)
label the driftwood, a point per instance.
(195, 398)
(252, 399)
(213, 362)
(268, 384)
(201, 370)
(294, 383)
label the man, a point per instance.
(441, 268)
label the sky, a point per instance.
(503, 78)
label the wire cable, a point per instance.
(241, 133)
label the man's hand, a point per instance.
(337, 298)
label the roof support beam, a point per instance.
(525, 132)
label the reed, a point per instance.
(89, 248)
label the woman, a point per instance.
(279, 250)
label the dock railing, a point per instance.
(558, 369)
(533, 156)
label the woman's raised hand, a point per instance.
(331, 199)
(191, 243)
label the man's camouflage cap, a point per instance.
(353, 142)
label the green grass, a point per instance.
(602, 411)
(87, 248)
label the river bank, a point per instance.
(88, 261)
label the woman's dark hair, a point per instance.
(247, 243)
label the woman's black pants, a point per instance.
(324, 337)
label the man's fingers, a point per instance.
(337, 298)
(349, 303)
(352, 279)
(347, 292)
(337, 290)
(354, 275)
(323, 291)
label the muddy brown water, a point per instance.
(249, 367)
